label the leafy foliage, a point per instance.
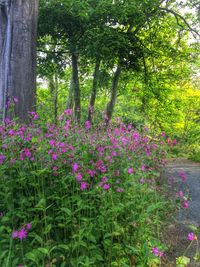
(79, 196)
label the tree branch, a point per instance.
(177, 15)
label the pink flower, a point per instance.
(161, 254)
(124, 140)
(15, 100)
(68, 112)
(130, 127)
(87, 125)
(191, 236)
(79, 177)
(130, 170)
(143, 168)
(182, 174)
(119, 190)
(83, 186)
(102, 168)
(185, 204)
(67, 125)
(21, 156)
(2, 158)
(142, 181)
(54, 156)
(5, 146)
(75, 167)
(174, 142)
(52, 142)
(116, 131)
(179, 194)
(27, 152)
(14, 234)
(155, 251)
(106, 186)
(28, 226)
(136, 136)
(91, 173)
(34, 115)
(104, 179)
(22, 234)
(113, 153)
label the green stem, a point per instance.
(9, 254)
(188, 248)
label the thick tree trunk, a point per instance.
(111, 103)
(76, 88)
(18, 27)
(94, 90)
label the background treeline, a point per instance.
(139, 58)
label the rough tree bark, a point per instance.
(94, 90)
(18, 32)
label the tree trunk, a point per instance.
(53, 84)
(70, 96)
(111, 103)
(18, 20)
(94, 90)
(76, 88)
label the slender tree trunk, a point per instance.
(56, 99)
(94, 90)
(70, 96)
(53, 84)
(76, 87)
(111, 103)
(18, 27)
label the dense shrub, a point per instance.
(76, 196)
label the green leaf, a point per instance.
(43, 250)
(61, 246)
(67, 211)
(33, 256)
(182, 261)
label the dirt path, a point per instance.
(180, 227)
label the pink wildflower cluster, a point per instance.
(87, 125)
(2, 158)
(171, 142)
(184, 200)
(157, 252)
(33, 115)
(60, 149)
(179, 194)
(182, 175)
(103, 183)
(22, 233)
